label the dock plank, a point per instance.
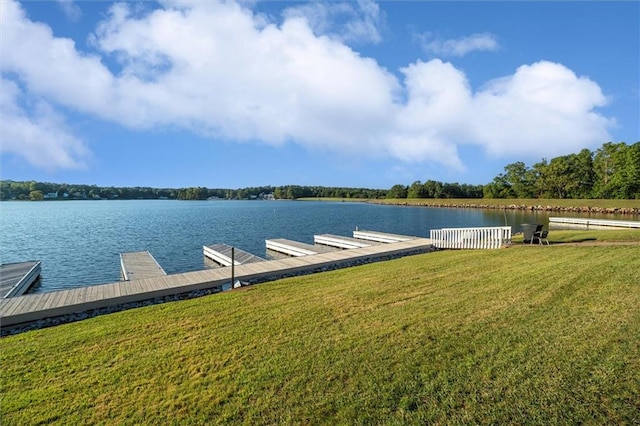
(12, 305)
(53, 300)
(66, 297)
(42, 301)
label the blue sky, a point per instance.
(355, 94)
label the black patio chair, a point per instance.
(542, 237)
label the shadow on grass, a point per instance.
(581, 240)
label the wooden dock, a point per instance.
(341, 242)
(139, 265)
(17, 278)
(221, 254)
(33, 307)
(380, 237)
(295, 248)
(582, 223)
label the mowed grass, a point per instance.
(529, 335)
(583, 236)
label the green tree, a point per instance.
(498, 188)
(583, 174)
(416, 190)
(452, 190)
(542, 178)
(433, 189)
(609, 163)
(630, 187)
(397, 191)
(36, 195)
(517, 177)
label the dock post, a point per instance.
(233, 267)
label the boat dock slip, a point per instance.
(16, 278)
(221, 254)
(574, 222)
(33, 307)
(340, 242)
(138, 265)
(380, 237)
(295, 248)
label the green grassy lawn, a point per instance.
(530, 335)
(595, 236)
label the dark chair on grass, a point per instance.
(541, 236)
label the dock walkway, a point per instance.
(16, 278)
(139, 265)
(582, 223)
(221, 254)
(34, 307)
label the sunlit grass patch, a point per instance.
(599, 235)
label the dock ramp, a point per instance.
(222, 255)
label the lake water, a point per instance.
(79, 242)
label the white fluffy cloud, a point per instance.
(70, 9)
(459, 47)
(359, 21)
(40, 136)
(543, 109)
(218, 69)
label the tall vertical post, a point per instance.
(233, 266)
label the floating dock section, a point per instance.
(340, 241)
(295, 248)
(17, 278)
(139, 265)
(222, 255)
(580, 223)
(380, 237)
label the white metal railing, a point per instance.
(471, 238)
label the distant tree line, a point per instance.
(35, 191)
(435, 189)
(292, 192)
(286, 192)
(612, 171)
(26, 190)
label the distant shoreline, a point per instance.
(595, 206)
(505, 205)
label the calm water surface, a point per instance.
(79, 242)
